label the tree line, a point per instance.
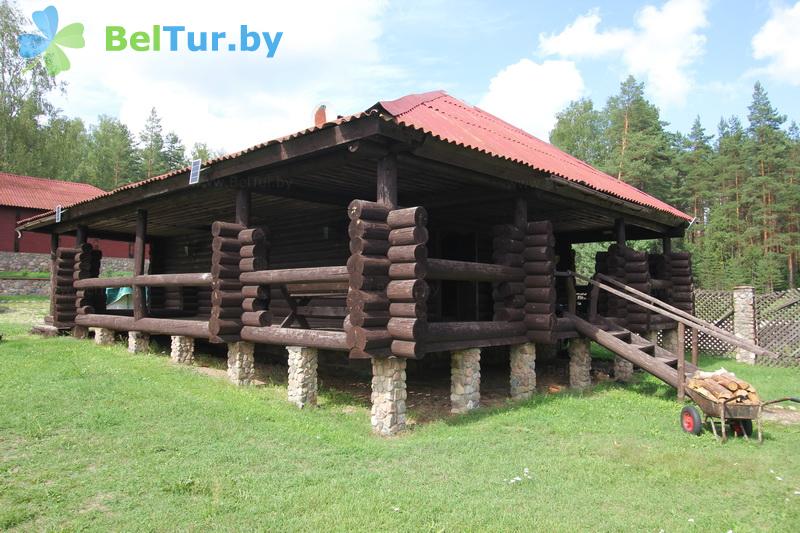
(741, 185)
(36, 139)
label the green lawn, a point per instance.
(95, 438)
(24, 274)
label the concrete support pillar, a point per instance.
(138, 342)
(669, 340)
(182, 351)
(623, 369)
(580, 363)
(80, 332)
(523, 371)
(744, 320)
(302, 375)
(388, 395)
(241, 369)
(465, 384)
(103, 336)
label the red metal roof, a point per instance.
(452, 120)
(42, 193)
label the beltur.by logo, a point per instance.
(174, 38)
(48, 44)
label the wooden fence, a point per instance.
(777, 323)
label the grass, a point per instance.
(24, 274)
(93, 438)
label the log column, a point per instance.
(523, 371)
(139, 303)
(465, 383)
(302, 389)
(508, 296)
(388, 395)
(540, 288)
(407, 290)
(368, 269)
(225, 322)
(744, 320)
(580, 363)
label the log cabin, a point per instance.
(422, 225)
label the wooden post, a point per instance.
(54, 238)
(521, 213)
(387, 181)
(619, 231)
(243, 200)
(666, 245)
(81, 235)
(681, 361)
(695, 347)
(139, 304)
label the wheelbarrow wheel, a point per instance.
(691, 422)
(742, 427)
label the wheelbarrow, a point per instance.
(740, 416)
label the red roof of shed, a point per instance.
(455, 121)
(42, 193)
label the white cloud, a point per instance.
(228, 99)
(778, 42)
(661, 48)
(528, 94)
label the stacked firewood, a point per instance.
(407, 290)
(509, 298)
(226, 290)
(722, 385)
(368, 267)
(254, 255)
(87, 265)
(540, 285)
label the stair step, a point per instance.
(621, 334)
(648, 348)
(671, 361)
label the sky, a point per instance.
(521, 60)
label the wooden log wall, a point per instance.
(63, 292)
(540, 286)
(681, 292)
(407, 290)
(637, 276)
(368, 269)
(660, 270)
(601, 267)
(616, 307)
(190, 253)
(508, 296)
(254, 252)
(225, 322)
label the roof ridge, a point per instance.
(41, 178)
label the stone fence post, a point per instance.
(744, 320)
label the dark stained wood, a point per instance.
(243, 202)
(328, 340)
(156, 326)
(447, 331)
(81, 234)
(387, 181)
(445, 269)
(139, 302)
(619, 231)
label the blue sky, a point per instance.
(520, 60)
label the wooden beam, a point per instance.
(681, 361)
(328, 340)
(619, 231)
(446, 269)
(387, 181)
(295, 275)
(139, 301)
(521, 213)
(243, 202)
(155, 326)
(81, 235)
(666, 245)
(54, 238)
(189, 279)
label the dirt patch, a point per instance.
(782, 415)
(96, 504)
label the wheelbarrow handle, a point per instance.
(787, 399)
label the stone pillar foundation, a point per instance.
(241, 370)
(580, 363)
(669, 340)
(138, 342)
(623, 369)
(302, 375)
(103, 336)
(465, 385)
(388, 395)
(523, 371)
(744, 321)
(182, 351)
(80, 332)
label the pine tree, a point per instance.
(174, 154)
(579, 131)
(151, 141)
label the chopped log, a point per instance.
(360, 245)
(255, 291)
(409, 329)
(226, 229)
(368, 229)
(540, 322)
(328, 340)
(407, 349)
(540, 308)
(363, 209)
(509, 315)
(539, 267)
(295, 275)
(408, 271)
(409, 310)
(539, 239)
(406, 236)
(368, 282)
(407, 290)
(446, 331)
(445, 269)
(507, 289)
(253, 250)
(409, 217)
(368, 264)
(538, 253)
(540, 295)
(539, 282)
(156, 326)
(367, 300)
(503, 245)
(507, 259)
(361, 318)
(407, 254)
(254, 304)
(222, 244)
(252, 236)
(543, 226)
(509, 231)
(370, 338)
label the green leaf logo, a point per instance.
(49, 43)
